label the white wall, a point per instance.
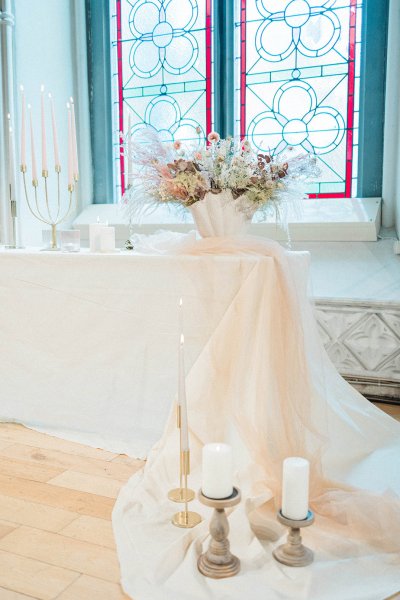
(43, 55)
(391, 166)
(50, 41)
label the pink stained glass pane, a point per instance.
(297, 82)
(162, 69)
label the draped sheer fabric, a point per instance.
(264, 384)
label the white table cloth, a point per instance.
(88, 342)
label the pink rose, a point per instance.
(177, 145)
(198, 155)
(213, 136)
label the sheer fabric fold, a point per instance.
(264, 384)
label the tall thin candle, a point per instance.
(10, 157)
(182, 396)
(23, 128)
(129, 150)
(55, 136)
(43, 123)
(70, 151)
(33, 155)
(75, 169)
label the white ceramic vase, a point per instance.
(221, 215)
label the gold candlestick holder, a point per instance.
(185, 518)
(44, 212)
(293, 553)
(182, 493)
(13, 210)
(218, 562)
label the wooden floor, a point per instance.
(56, 499)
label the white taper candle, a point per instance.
(33, 155)
(43, 125)
(75, 169)
(182, 395)
(11, 180)
(70, 150)
(129, 151)
(23, 128)
(55, 136)
(217, 473)
(295, 483)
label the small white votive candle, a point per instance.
(217, 476)
(296, 474)
(107, 239)
(94, 235)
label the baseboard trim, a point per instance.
(384, 391)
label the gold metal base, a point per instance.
(181, 495)
(186, 519)
(293, 553)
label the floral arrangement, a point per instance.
(173, 173)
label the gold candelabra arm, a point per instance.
(38, 215)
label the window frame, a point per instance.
(372, 91)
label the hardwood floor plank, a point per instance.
(90, 529)
(23, 512)
(57, 497)
(25, 470)
(90, 588)
(33, 577)
(61, 551)
(6, 528)
(10, 595)
(93, 484)
(63, 461)
(12, 433)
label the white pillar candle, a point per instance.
(296, 472)
(34, 169)
(74, 143)
(43, 124)
(23, 128)
(182, 395)
(217, 475)
(94, 235)
(107, 239)
(55, 136)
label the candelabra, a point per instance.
(44, 213)
(218, 561)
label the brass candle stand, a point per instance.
(185, 518)
(218, 562)
(182, 493)
(13, 210)
(44, 213)
(293, 553)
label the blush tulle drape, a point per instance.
(264, 384)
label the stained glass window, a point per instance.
(163, 69)
(298, 70)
